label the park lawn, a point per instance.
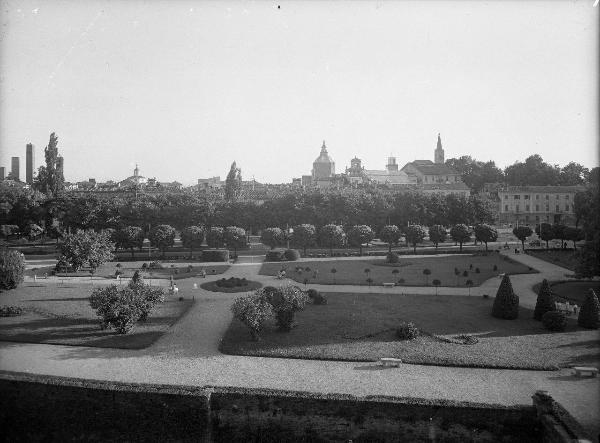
(573, 291)
(566, 258)
(57, 314)
(351, 272)
(361, 327)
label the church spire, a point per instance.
(439, 152)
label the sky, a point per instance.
(185, 88)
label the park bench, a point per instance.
(580, 370)
(388, 285)
(389, 361)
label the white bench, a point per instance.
(580, 370)
(388, 285)
(389, 361)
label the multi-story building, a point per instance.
(29, 163)
(530, 205)
(428, 172)
(14, 169)
(2, 173)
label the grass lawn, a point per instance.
(179, 270)
(361, 327)
(62, 315)
(566, 258)
(573, 291)
(212, 286)
(351, 272)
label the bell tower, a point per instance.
(439, 152)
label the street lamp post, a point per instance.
(289, 232)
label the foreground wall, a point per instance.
(36, 408)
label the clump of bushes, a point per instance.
(231, 282)
(506, 303)
(217, 255)
(286, 301)
(120, 307)
(275, 255)
(155, 265)
(545, 301)
(554, 321)
(144, 265)
(10, 311)
(291, 254)
(589, 315)
(12, 268)
(407, 331)
(62, 265)
(392, 257)
(316, 297)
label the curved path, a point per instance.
(188, 354)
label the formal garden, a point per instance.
(457, 270)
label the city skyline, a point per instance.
(184, 89)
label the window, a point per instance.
(557, 208)
(505, 208)
(516, 197)
(526, 197)
(517, 208)
(537, 208)
(527, 208)
(567, 197)
(506, 197)
(557, 196)
(537, 196)
(547, 208)
(567, 208)
(547, 197)
(527, 219)
(537, 218)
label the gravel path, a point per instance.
(188, 354)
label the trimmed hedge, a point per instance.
(545, 301)
(231, 282)
(554, 321)
(275, 255)
(12, 268)
(506, 303)
(216, 255)
(589, 316)
(291, 254)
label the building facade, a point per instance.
(2, 173)
(14, 169)
(531, 205)
(323, 166)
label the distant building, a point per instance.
(306, 180)
(29, 163)
(459, 189)
(14, 169)
(390, 175)
(209, 183)
(356, 172)
(428, 172)
(323, 166)
(2, 173)
(439, 152)
(530, 205)
(136, 180)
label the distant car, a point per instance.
(535, 243)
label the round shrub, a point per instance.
(312, 293)
(144, 265)
(589, 315)
(275, 255)
(506, 303)
(291, 254)
(10, 311)
(554, 321)
(407, 331)
(155, 265)
(216, 255)
(12, 268)
(392, 257)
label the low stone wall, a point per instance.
(36, 408)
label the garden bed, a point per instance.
(352, 272)
(574, 291)
(566, 258)
(214, 287)
(361, 327)
(56, 314)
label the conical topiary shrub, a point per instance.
(590, 311)
(506, 304)
(545, 301)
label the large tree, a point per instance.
(460, 233)
(390, 234)
(162, 237)
(93, 248)
(192, 237)
(214, 237)
(331, 235)
(522, 232)
(415, 234)
(485, 233)
(233, 183)
(234, 238)
(437, 234)
(272, 237)
(534, 171)
(545, 231)
(359, 235)
(304, 236)
(129, 237)
(50, 179)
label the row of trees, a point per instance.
(348, 207)
(533, 171)
(547, 232)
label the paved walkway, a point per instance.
(188, 354)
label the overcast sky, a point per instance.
(185, 88)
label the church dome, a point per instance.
(323, 156)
